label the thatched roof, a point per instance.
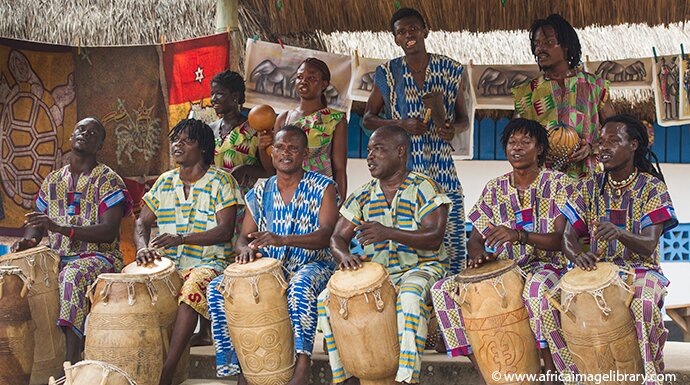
(455, 15)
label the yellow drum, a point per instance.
(124, 326)
(596, 321)
(41, 266)
(16, 328)
(496, 320)
(166, 282)
(258, 320)
(364, 322)
(93, 373)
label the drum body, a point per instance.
(16, 328)
(124, 326)
(166, 282)
(93, 373)
(41, 266)
(496, 320)
(258, 320)
(596, 321)
(362, 306)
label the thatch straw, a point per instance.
(471, 15)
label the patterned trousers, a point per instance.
(455, 239)
(303, 288)
(76, 276)
(413, 313)
(543, 317)
(193, 291)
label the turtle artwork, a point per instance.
(31, 118)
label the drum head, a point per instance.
(154, 267)
(485, 271)
(26, 253)
(578, 280)
(346, 283)
(258, 266)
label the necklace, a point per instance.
(619, 186)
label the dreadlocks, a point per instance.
(636, 130)
(565, 33)
(199, 132)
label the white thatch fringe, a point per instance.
(512, 47)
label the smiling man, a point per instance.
(564, 94)
(289, 217)
(194, 207)
(400, 219)
(396, 99)
(624, 211)
(517, 218)
(80, 206)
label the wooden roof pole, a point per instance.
(227, 20)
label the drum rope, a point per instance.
(379, 301)
(343, 307)
(497, 283)
(280, 277)
(461, 293)
(131, 300)
(46, 274)
(153, 293)
(170, 286)
(254, 283)
(225, 287)
(567, 299)
(601, 301)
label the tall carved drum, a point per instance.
(166, 283)
(124, 327)
(364, 323)
(596, 321)
(258, 320)
(93, 373)
(496, 320)
(41, 266)
(16, 328)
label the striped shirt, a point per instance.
(175, 213)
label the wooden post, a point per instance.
(680, 314)
(227, 20)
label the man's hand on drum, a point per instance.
(263, 239)
(372, 232)
(40, 220)
(413, 126)
(584, 150)
(499, 235)
(585, 260)
(247, 254)
(607, 231)
(146, 255)
(483, 258)
(23, 244)
(351, 262)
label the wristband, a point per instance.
(71, 233)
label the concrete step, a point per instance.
(209, 382)
(437, 369)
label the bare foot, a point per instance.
(302, 371)
(203, 337)
(440, 345)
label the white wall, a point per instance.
(475, 173)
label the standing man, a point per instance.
(194, 207)
(399, 217)
(624, 211)
(564, 94)
(399, 87)
(290, 217)
(80, 207)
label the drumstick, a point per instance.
(427, 116)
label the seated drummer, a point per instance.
(400, 219)
(517, 216)
(624, 210)
(194, 207)
(289, 217)
(80, 206)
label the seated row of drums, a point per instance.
(132, 315)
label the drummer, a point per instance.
(289, 217)
(80, 207)
(624, 210)
(517, 218)
(194, 207)
(400, 219)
